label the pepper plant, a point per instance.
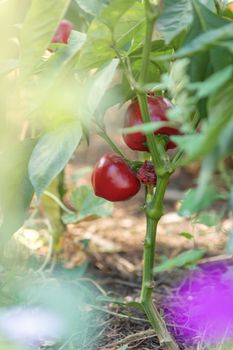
(171, 62)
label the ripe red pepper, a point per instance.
(113, 180)
(146, 173)
(63, 32)
(158, 106)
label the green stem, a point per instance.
(147, 45)
(149, 254)
(61, 184)
(150, 309)
(142, 98)
(154, 206)
(154, 209)
(102, 133)
(58, 201)
(151, 141)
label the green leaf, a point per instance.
(121, 21)
(93, 7)
(51, 154)
(181, 260)
(98, 84)
(211, 218)
(92, 97)
(220, 111)
(98, 47)
(16, 190)
(209, 4)
(227, 45)
(129, 31)
(194, 202)
(213, 83)
(176, 17)
(205, 41)
(115, 95)
(189, 143)
(147, 128)
(87, 205)
(186, 235)
(41, 22)
(112, 13)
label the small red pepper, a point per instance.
(113, 179)
(63, 32)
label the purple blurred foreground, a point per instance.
(200, 308)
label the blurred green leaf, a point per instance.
(189, 257)
(211, 218)
(118, 94)
(220, 110)
(96, 88)
(228, 45)
(41, 22)
(213, 83)
(112, 13)
(97, 49)
(193, 202)
(92, 7)
(87, 205)
(52, 153)
(205, 41)
(176, 17)
(205, 32)
(186, 235)
(146, 127)
(210, 4)
(16, 190)
(189, 143)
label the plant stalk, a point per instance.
(150, 309)
(151, 141)
(154, 202)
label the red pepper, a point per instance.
(158, 107)
(63, 32)
(113, 179)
